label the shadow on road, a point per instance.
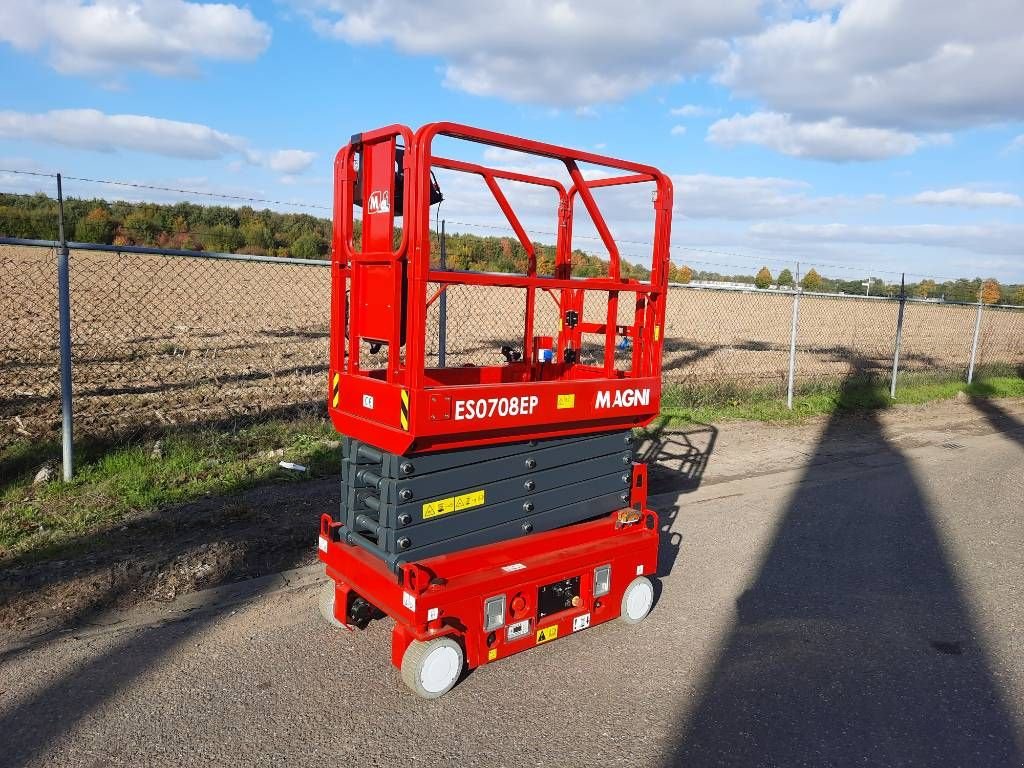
(676, 457)
(1000, 418)
(854, 644)
(676, 460)
(36, 723)
(51, 713)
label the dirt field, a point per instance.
(161, 340)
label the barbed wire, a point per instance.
(137, 185)
(860, 269)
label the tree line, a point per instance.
(225, 229)
(989, 290)
(185, 226)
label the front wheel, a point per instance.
(431, 668)
(637, 600)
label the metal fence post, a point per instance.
(899, 336)
(442, 330)
(974, 344)
(64, 310)
(792, 346)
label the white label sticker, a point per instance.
(322, 543)
(517, 630)
(368, 401)
(581, 622)
(513, 567)
(640, 570)
(432, 614)
(409, 601)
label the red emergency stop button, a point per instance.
(518, 605)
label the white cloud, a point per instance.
(106, 37)
(287, 161)
(968, 198)
(907, 65)
(566, 53)
(678, 130)
(999, 239)
(833, 139)
(693, 110)
(705, 196)
(697, 196)
(94, 130)
(1018, 142)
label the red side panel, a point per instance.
(377, 281)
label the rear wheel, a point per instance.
(637, 600)
(431, 668)
(327, 605)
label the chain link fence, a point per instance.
(161, 340)
(171, 340)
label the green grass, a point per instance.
(857, 395)
(114, 481)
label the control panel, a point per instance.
(552, 598)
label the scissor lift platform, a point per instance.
(487, 508)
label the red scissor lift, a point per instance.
(486, 508)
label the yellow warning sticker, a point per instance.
(492, 654)
(335, 391)
(439, 507)
(657, 332)
(566, 401)
(548, 633)
(454, 504)
(468, 500)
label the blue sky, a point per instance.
(866, 137)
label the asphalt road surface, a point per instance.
(864, 609)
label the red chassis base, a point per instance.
(443, 599)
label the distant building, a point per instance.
(728, 285)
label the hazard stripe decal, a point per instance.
(335, 390)
(403, 415)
